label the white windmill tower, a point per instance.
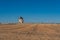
(21, 20)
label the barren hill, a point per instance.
(30, 32)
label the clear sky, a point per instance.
(30, 10)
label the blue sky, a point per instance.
(30, 10)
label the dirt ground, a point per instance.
(29, 31)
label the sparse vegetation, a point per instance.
(30, 32)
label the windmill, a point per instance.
(21, 20)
